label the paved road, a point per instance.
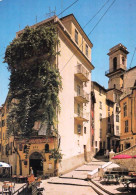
(72, 183)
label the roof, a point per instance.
(115, 90)
(55, 19)
(71, 15)
(102, 87)
(118, 47)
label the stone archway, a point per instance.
(36, 162)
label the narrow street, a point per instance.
(72, 183)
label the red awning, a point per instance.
(122, 156)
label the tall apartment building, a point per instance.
(74, 64)
(99, 127)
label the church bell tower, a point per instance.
(117, 66)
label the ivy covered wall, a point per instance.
(35, 81)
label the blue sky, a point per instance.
(117, 26)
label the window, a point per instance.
(76, 36)
(46, 148)
(109, 128)
(117, 118)
(79, 129)
(117, 109)
(25, 162)
(114, 63)
(117, 130)
(3, 123)
(125, 109)
(109, 119)
(100, 105)
(25, 148)
(78, 90)
(126, 126)
(100, 116)
(100, 133)
(123, 60)
(78, 109)
(86, 50)
(95, 143)
(84, 130)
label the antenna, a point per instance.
(51, 13)
(132, 57)
(61, 7)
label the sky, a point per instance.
(117, 25)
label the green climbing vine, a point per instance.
(35, 81)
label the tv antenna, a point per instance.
(51, 13)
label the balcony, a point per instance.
(81, 73)
(112, 71)
(81, 116)
(81, 96)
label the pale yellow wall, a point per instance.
(36, 148)
(71, 143)
(97, 123)
(71, 25)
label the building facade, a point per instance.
(73, 141)
(128, 120)
(100, 118)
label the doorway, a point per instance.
(36, 162)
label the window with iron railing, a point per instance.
(79, 129)
(78, 109)
(86, 50)
(117, 118)
(117, 130)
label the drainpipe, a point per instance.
(1, 133)
(132, 116)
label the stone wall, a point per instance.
(128, 163)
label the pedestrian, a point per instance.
(31, 171)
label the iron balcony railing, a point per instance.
(81, 70)
(82, 114)
(82, 94)
(113, 70)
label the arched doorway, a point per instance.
(36, 162)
